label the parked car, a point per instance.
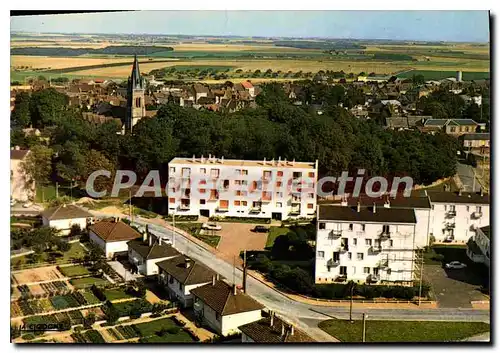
(28, 204)
(455, 265)
(261, 229)
(211, 226)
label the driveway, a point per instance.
(236, 237)
(453, 288)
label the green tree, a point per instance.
(38, 166)
(21, 115)
(47, 107)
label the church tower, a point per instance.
(136, 107)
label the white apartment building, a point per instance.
(478, 247)
(456, 215)
(417, 201)
(277, 189)
(365, 244)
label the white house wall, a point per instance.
(230, 323)
(64, 225)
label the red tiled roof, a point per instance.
(247, 84)
(110, 231)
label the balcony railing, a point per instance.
(333, 262)
(373, 278)
(255, 209)
(383, 263)
(376, 248)
(450, 214)
(385, 235)
(477, 214)
(184, 207)
(341, 278)
(335, 233)
(450, 226)
(343, 248)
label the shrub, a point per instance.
(98, 292)
(173, 330)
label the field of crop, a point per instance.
(260, 55)
(438, 75)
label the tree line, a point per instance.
(71, 148)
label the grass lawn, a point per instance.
(74, 271)
(150, 328)
(87, 282)
(181, 336)
(403, 331)
(124, 307)
(275, 232)
(117, 293)
(195, 228)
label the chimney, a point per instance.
(279, 160)
(150, 240)
(374, 208)
(387, 203)
(222, 160)
(285, 161)
(217, 276)
(481, 192)
(271, 320)
(460, 192)
(145, 236)
(187, 263)
(344, 201)
(264, 161)
(291, 330)
(293, 163)
(282, 329)
(194, 158)
(359, 206)
(213, 280)
(201, 159)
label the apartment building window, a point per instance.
(310, 206)
(391, 243)
(172, 169)
(351, 226)
(243, 203)
(237, 203)
(349, 255)
(353, 268)
(225, 184)
(311, 174)
(267, 174)
(321, 254)
(355, 241)
(478, 208)
(186, 172)
(214, 173)
(311, 195)
(452, 208)
(244, 182)
(467, 208)
(445, 208)
(343, 270)
(238, 171)
(363, 227)
(360, 256)
(322, 225)
(389, 271)
(366, 270)
(385, 229)
(279, 194)
(244, 172)
(238, 192)
(237, 182)
(203, 170)
(202, 202)
(278, 184)
(280, 173)
(368, 242)
(375, 271)
(278, 204)
(452, 129)
(171, 200)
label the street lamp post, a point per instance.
(173, 229)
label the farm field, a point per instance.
(87, 282)
(448, 57)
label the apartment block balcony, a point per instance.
(335, 233)
(343, 248)
(295, 200)
(451, 214)
(383, 263)
(266, 197)
(449, 226)
(477, 215)
(373, 278)
(333, 262)
(295, 211)
(222, 208)
(384, 235)
(256, 208)
(184, 206)
(341, 278)
(185, 183)
(214, 195)
(376, 248)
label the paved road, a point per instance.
(300, 313)
(466, 175)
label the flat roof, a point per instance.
(243, 163)
(366, 214)
(416, 200)
(456, 197)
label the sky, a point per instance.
(458, 26)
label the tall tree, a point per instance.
(38, 166)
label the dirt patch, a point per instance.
(40, 274)
(152, 298)
(236, 237)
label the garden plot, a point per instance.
(34, 275)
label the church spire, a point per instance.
(136, 75)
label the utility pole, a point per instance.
(364, 327)
(234, 270)
(350, 305)
(421, 278)
(244, 271)
(173, 229)
(57, 190)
